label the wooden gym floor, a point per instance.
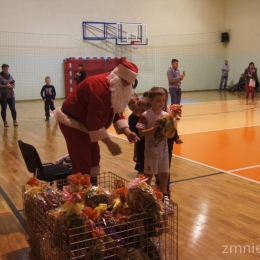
(215, 174)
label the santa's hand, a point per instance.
(132, 137)
(114, 149)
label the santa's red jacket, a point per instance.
(90, 105)
(84, 117)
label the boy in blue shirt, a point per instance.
(48, 94)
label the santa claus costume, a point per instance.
(90, 109)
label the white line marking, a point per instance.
(242, 177)
(199, 163)
(228, 172)
(245, 168)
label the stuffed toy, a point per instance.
(166, 125)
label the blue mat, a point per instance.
(183, 101)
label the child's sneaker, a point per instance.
(47, 119)
(6, 124)
(167, 207)
(15, 123)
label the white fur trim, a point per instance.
(97, 135)
(120, 125)
(95, 171)
(125, 73)
(68, 121)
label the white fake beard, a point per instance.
(120, 95)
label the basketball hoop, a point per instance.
(135, 45)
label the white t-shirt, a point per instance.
(152, 147)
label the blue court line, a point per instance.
(183, 101)
(15, 211)
(197, 177)
(187, 101)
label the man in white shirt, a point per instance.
(224, 76)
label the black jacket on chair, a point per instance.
(43, 171)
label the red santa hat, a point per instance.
(126, 70)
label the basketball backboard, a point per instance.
(123, 33)
(129, 32)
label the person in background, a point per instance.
(89, 110)
(145, 94)
(250, 73)
(142, 106)
(176, 112)
(175, 79)
(156, 161)
(80, 74)
(224, 76)
(240, 84)
(7, 85)
(48, 94)
(133, 118)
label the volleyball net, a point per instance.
(32, 57)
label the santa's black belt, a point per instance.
(66, 113)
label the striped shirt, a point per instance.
(174, 77)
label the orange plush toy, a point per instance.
(176, 111)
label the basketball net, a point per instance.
(135, 45)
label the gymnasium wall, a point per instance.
(35, 37)
(242, 19)
(167, 17)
